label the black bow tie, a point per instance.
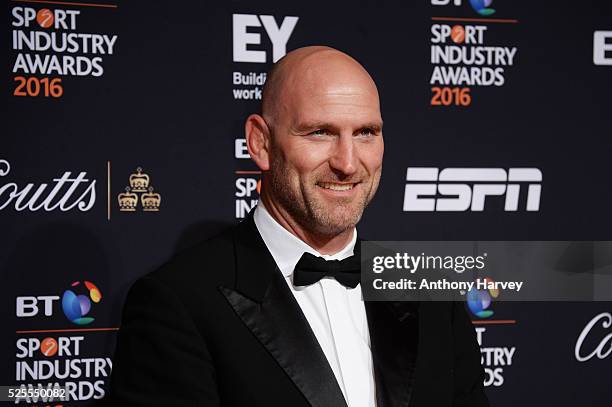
(310, 269)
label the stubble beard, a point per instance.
(309, 210)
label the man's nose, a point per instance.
(344, 155)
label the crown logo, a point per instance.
(127, 201)
(139, 190)
(150, 201)
(139, 182)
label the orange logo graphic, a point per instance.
(458, 34)
(44, 18)
(48, 347)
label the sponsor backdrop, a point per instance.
(123, 143)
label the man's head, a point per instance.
(318, 140)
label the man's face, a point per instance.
(326, 153)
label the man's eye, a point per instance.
(319, 132)
(367, 132)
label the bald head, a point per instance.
(318, 143)
(308, 71)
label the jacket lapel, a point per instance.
(394, 342)
(267, 307)
(394, 337)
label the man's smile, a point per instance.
(338, 186)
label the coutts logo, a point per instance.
(139, 186)
(67, 193)
(604, 348)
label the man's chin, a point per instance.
(335, 222)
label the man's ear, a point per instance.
(258, 140)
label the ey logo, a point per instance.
(279, 35)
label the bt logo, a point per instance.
(479, 300)
(279, 35)
(482, 7)
(75, 306)
(479, 6)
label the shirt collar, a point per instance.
(285, 247)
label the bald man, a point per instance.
(269, 313)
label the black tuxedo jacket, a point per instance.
(218, 326)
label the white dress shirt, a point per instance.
(336, 313)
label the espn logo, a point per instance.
(430, 189)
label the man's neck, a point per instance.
(321, 243)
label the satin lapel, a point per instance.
(394, 342)
(267, 307)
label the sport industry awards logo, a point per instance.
(248, 187)
(494, 359)
(49, 45)
(48, 358)
(460, 55)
